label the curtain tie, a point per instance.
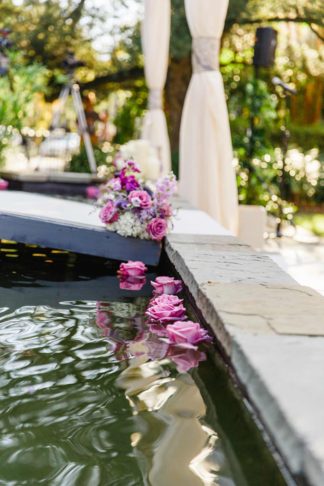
(205, 53)
(155, 101)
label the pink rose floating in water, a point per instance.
(132, 269)
(132, 275)
(187, 334)
(167, 285)
(165, 310)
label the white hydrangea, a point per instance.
(129, 225)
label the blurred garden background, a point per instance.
(278, 145)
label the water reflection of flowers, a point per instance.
(167, 332)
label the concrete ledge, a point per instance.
(271, 329)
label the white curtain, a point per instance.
(207, 176)
(155, 41)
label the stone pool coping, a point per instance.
(271, 330)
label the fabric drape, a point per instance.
(155, 42)
(207, 175)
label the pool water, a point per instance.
(88, 397)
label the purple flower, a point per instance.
(114, 184)
(157, 229)
(128, 182)
(140, 199)
(109, 213)
(165, 188)
(122, 203)
(133, 166)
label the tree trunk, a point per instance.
(179, 75)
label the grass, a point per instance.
(312, 222)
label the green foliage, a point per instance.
(79, 162)
(312, 222)
(129, 115)
(17, 96)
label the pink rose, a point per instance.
(166, 285)
(165, 312)
(132, 283)
(140, 199)
(92, 192)
(3, 185)
(187, 334)
(185, 359)
(157, 229)
(109, 213)
(166, 299)
(132, 269)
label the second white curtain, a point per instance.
(207, 176)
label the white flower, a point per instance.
(146, 157)
(129, 225)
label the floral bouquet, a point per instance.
(132, 209)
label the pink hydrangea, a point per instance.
(157, 229)
(187, 334)
(140, 199)
(132, 269)
(109, 213)
(165, 312)
(167, 285)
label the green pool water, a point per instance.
(75, 409)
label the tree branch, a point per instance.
(131, 74)
(316, 32)
(306, 20)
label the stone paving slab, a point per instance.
(270, 328)
(289, 373)
(290, 309)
